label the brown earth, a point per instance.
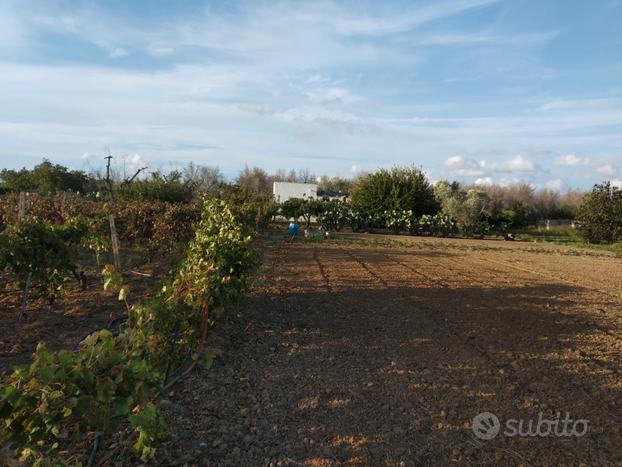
(74, 315)
(361, 354)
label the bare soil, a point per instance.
(74, 315)
(354, 353)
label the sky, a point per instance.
(485, 91)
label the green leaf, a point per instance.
(123, 406)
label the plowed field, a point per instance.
(363, 354)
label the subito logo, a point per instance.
(486, 425)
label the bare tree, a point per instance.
(339, 184)
(306, 176)
(203, 178)
(255, 180)
(530, 204)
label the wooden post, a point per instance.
(63, 204)
(114, 239)
(21, 213)
(22, 312)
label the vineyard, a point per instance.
(101, 393)
(215, 340)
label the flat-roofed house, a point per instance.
(285, 190)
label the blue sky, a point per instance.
(475, 90)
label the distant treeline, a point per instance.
(397, 189)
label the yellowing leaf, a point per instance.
(124, 292)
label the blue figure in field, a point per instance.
(292, 230)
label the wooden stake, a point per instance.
(114, 239)
(22, 312)
(21, 213)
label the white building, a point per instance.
(284, 190)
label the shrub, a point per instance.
(334, 215)
(600, 214)
(401, 188)
(253, 210)
(399, 219)
(218, 262)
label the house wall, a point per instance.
(284, 190)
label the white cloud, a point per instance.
(468, 167)
(617, 183)
(134, 160)
(556, 184)
(571, 160)
(455, 161)
(356, 169)
(607, 169)
(465, 166)
(520, 164)
(484, 181)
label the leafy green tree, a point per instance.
(305, 208)
(292, 208)
(508, 217)
(16, 180)
(401, 188)
(600, 214)
(44, 178)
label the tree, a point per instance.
(45, 178)
(255, 180)
(292, 208)
(519, 197)
(306, 176)
(600, 214)
(162, 187)
(401, 188)
(465, 206)
(305, 208)
(339, 184)
(203, 178)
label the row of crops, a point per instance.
(336, 215)
(69, 406)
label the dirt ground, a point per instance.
(74, 315)
(359, 353)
